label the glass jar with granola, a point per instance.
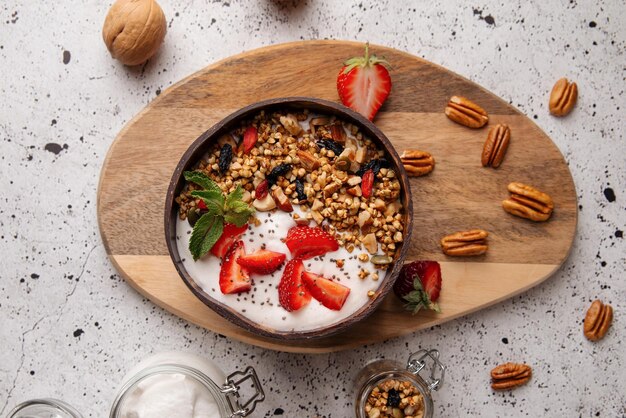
(388, 388)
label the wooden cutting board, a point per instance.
(458, 195)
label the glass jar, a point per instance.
(166, 381)
(378, 372)
(44, 408)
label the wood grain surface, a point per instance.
(459, 194)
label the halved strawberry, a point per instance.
(364, 83)
(201, 205)
(262, 261)
(292, 294)
(250, 136)
(308, 242)
(330, 294)
(419, 283)
(230, 234)
(233, 277)
(367, 183)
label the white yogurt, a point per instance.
(261, 304)
(171, 394)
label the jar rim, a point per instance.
(55, 403)
(168, 368)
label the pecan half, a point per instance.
(563, 97)
(466, 112)
(527, 202)
(597, 320)
(510, 375)
(465, 243)
(496, 145)
(417, 163)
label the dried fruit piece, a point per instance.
(226, 156)
(597, 320)
(563, 97)
(261, 190)
(367, 183)
(495, 146)
(331, 145)
(250, 137)
(280, 170)
(417, 163)
(466, 243)
(300, 190)
(510, 375)
(465, 112)
(527, 202)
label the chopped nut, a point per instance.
(370, 243)
(364, 257)
(290, 122)
(265, 204)
(370, 293)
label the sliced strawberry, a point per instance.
(250, 137)
(330, 294)
(262, 261)
(308, 242)
(367, 183)
(292, 294)
(364, 84)
(419, 283)
(201, 205)
(233, 277)
(261, 190)
(230, 234)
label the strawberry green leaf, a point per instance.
(202, 180)
(205, 234)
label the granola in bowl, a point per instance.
(314, 222)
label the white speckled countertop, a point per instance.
(70, 326)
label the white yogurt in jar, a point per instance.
(169, 392)
(261, 303)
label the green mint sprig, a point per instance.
(220, 210)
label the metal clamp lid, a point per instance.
(418, 360)
(231, 390)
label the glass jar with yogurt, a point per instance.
(175, 384)
(388, 388)
(44, 408)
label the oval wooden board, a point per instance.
(458, 195)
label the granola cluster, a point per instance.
(321, 162)
(395, 399)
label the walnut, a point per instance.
(133, 30)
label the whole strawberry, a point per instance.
(364, 83)
(419, 284)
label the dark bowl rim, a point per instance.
(196, 149)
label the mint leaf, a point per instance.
(202, 180)
(234, 198)
(205, 234)
(239, 219)
(214, 200)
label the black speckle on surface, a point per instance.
(279, 411)
(603, 263)
(55, 148)
(54, 122)
(619, 234)
(592, 24)
(490, 20)
(34, 276)
(609, 194)
(158, 91)
(67, 56)
(505, 340)
(78, 332)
